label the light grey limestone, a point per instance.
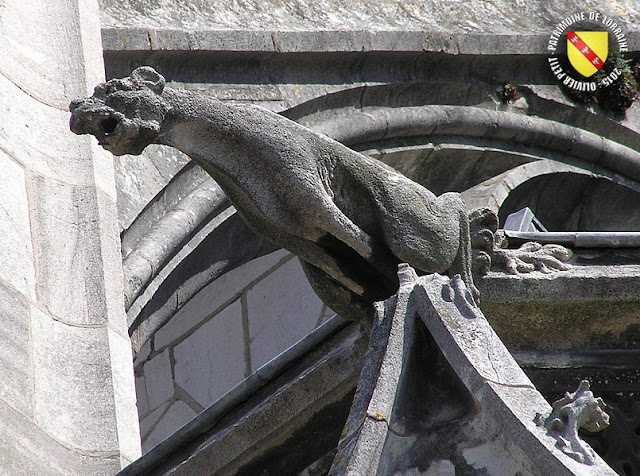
(276, 323)
(69, 366)
(158, 378)
(211, 360)
(16, 260)
(40, 63)
(124, 412)
(177, 415)
(47, 151)
(16, 363)
(65, 239)
(27, 450)
(73, 387)
(498, 17)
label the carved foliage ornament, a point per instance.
(576, 410)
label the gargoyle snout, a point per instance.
(80, 120)
(91, 116)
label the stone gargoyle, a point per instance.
(349, 218)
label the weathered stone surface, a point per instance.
(16, 261)
(16, 367)
(484, 415)
(498, 17)
(50, 153)
(123, 391)
(592, 306)
(577, 410)
(361, 208)
(66, 388)
(64, 212)
(26, 449)
(68, 413)
(275, 324)
(40, 63)
(211, 360)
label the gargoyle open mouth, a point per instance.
(108, 125)
(92, 116)
(124, 115)
(106, 128)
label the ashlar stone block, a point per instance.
(58, 350)
(282, 309)
(16, 259)
(158, 380)
(38, 135)
(212, 297)
(212, 360)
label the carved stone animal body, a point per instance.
(350, 219)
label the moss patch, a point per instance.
(566, 325)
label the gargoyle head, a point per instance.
(125, 115)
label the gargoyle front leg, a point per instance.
(336, 223)
(532, 256)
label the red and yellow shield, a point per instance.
(587, 50)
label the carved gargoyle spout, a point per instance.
(350, 219)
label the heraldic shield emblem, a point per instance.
(587, 50)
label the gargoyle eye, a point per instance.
(108, 125)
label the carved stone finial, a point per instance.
(576, 410)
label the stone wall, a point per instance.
(67, 401)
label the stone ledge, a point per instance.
(582, 282)
(594, 306)
(327, 41)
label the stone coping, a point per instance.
(328, 41)
(589, 282)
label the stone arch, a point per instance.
(574, 201)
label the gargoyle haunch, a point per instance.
(350, 219)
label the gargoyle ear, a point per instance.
(146, 76)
